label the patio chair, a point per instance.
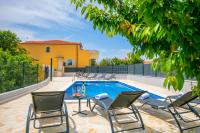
(92, 76)
(101, 76)
(193, 103)
(174, 108)
(78, 74)
(84, 75)
(47, 103)
(111, 76)
(123, 100)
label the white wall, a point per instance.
(156, 81)
(11, 95)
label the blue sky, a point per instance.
(57, 19)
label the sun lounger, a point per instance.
(47, 103)
(109, 77)
(101, 76)
(84, 75)
(193, 103)
(123, 100)
(79, 74)
(92, 76)
(174, 108)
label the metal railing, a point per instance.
(14, 76)
(135, 69)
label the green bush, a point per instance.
(131, 59)
(16, 68)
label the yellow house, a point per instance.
(64, 54)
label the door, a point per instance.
(60, 64)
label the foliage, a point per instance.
(168, 30)
(116, 62)
(16, 68)
(132, 59)
(9, 42)
(93, 62)
(105, 62)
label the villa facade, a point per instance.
(64, 54)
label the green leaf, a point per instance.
(173, 82)
(180, 81)
(83, 10)
(168, 64)
(155, 65)
(166, 82)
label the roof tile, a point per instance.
(52, 42)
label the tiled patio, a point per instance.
(13, 114)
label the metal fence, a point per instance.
(14, 76)
(137, 69)
(74, 69)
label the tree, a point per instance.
(116, 62)
(133, 59)
(16, 68)
(105, 62)
(9, 42)
(165, 29)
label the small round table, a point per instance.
(79, 105)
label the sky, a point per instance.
(58, 20)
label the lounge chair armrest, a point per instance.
(67, 117)
(170, 99)
(167, 98)
(29, 117)
(65, 108)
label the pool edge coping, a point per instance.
(120, 81)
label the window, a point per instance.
(69, 62)
(93, 62)
(47, 49)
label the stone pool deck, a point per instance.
(13, 114)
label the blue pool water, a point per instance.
(113, 88)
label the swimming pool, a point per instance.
(113, 88)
